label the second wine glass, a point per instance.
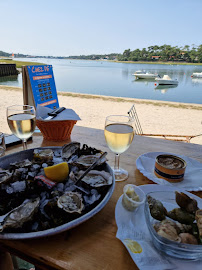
(119, 135)
(21, 120)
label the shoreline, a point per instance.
(156, 117)
(159, 63)
(160, 103)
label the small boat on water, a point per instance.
(145, 75)
(197, 75)
(166, 80)
(140, 72)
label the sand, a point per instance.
(155, 117)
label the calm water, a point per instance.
(116, 79)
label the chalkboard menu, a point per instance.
(39, 86)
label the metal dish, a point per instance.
(28, 154)
(174, 249)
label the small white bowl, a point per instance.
(129, 203)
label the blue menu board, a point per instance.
(43, 86)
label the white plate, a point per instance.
(132, 226)
(192, 178)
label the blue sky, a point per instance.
(75, 27)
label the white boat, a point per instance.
(197, 75)
(146, 75)
(166, 80)
(139, 72)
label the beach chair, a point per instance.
(138, 129)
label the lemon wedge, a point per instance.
(58, 172)
(133, 246)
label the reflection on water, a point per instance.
(196, 80)
(144, 80)
(9, 78)
(164, 88)
(117, 79)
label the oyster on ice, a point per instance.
(87, 160)
(43, 155)
(5, 176)
(69, 149)
(71, 202)
(97, 179)
(23, 213)
(21, 164)
(199, 221)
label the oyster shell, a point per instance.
(167, 230)
(43, 155)
(71, 202)
(157, 210)
(97, 179)
(5, 176)
(181, 216)
(199, 221)
(185, 202)
(23, 213)
(69, 149)
(21, 164)
(88, 160)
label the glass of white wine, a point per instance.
(119, 135)
(22, 121)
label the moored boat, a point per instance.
(166, 80)
(146, 75)
(197, 75)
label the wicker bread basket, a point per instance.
(56, 130)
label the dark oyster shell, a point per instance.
(69, 149)
(23, 213)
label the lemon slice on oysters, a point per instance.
(58, 172)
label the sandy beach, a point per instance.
(156, 117)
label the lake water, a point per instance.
(116, 79)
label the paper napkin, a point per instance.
(67, 114)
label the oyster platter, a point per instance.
(45, 191)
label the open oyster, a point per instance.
(43, 155)
(23, 213)
(21, 164)
(88, 160)
(199, 221)
(97, 179)
(71, 202)
(5, 176)
(69, 149)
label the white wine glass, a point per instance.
(22, 121)
(119, 135)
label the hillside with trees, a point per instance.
(164, 53)
(155, 53)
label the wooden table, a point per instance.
(93, 244)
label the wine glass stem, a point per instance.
(116, 163)
(24, 144)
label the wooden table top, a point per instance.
(93, 244)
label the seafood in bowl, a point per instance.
(56, 203)
(173, 223)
